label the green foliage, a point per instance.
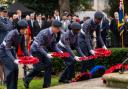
(36, 83)
(58, 65)
(85, 4)
(126, 6)
(48, 6)
(118, 56)
(114, 5)
(42, 6)
(79, 5)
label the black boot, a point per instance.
(64, 81)
(46, 86)
(26, 84)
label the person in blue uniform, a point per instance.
(8, 53)
(86, 37)
(42, 44)
(67, 43)
(104, 29)
(5, 23)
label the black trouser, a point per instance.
(11, 70)
(38, 67)
(69, 71)
(86, 65)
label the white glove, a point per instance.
(104, 47)
(101, 30)
(49, 55)
(92, 52)
(16, 61)
(61, 52)
(77, 59)
(31, 56)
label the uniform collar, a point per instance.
(50, 29)
(2, 17)
(17, 32)
(72, 34)
(93, 21)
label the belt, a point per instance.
(35, 42)
(82, 32)
(4, 43)
(61, 44)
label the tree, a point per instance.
(76, 5)
(41, 6)
(115, 6)
(48, 6)
(64, 6)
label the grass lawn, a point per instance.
(35, 84)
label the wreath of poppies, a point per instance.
(115, 68)
(92, 74)
(28, 60)
(86, 76)
(61, 55)
(100, 52)
(103, 52)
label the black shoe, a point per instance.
(26, 84)
(64, 81)
(46, 86)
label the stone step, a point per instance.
(117, 80)
(88, 84)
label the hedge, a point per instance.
(118, 56)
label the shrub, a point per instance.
(118, 56)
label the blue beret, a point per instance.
(99, 15)
(56, 23)
(3, 8)
(22, 23)
(75, 26)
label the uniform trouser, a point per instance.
(86, 65)
(104, 36)
(116, 40)
(38, 67)
(11, 70)
(69, 71)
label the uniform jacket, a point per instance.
(70, 41)
(44, 40)
(86, 34)
(11, 41)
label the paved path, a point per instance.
(89, 84)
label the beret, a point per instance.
(56, 23)
(98, 15)
(22, 23)
(75, 25)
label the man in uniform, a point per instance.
(8, 53)
(5, 24)
(45, 40)
(86, 37)
(68, 42)
(104, 29)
